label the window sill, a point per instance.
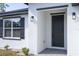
(11, 38)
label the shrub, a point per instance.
(6, 47)
(25, 51)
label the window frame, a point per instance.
(10, 28)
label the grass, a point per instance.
(7, 53)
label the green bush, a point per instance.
(6, 47)
(25, 51)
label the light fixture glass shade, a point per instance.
(74, 17)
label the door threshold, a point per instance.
(62, 48)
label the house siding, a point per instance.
(73, 31)
(72, 27)
(34, 27)
(17, 44)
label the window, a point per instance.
(12, 28)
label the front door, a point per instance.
(58, 31)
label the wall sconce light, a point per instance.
(32, 18)
(74, 16)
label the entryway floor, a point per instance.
(53, 52)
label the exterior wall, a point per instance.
(72, 28)
(73, 31)
(49, 31)
(17, 44)
(44, 28)
(33, 38)
(34, 34)
(41, 31)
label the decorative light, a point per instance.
(74, 16)
(32, 18)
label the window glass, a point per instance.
(13, 27)
(7, 24)
(16, 32)
(7, 33)
(16, 23)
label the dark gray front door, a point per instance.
(58, 31)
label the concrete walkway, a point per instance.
(53, 52)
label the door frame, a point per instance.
(51, 32)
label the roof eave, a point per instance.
(26, 3)
(75, 4)
(16, 12)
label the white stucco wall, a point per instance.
(72, 28)
(48, 27)
(17, 44)
(32, 33)
(73, 31)
(37, 30)
(36, 39)
(44, 28)
(41, 31)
